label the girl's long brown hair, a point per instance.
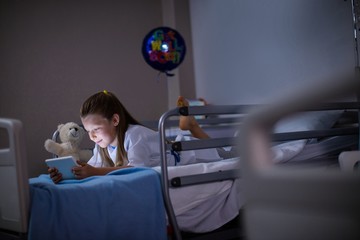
(107, 104)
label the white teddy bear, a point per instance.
(70, 135)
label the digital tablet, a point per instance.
(64, 165)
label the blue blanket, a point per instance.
(125, 204)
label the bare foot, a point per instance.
(185, 122)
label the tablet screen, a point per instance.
(64, 165)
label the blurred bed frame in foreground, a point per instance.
(297, 203)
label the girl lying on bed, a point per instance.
(120, 140)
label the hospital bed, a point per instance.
(321, 151)
(182, 178)
(107, 207)
(312, 138)
(15, 189)
(177, 194)
(14, 161)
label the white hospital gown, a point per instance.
(143, 150)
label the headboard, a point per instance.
(14, 186)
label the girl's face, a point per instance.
(101, 130)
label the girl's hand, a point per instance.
(83, 171)
(55, 175)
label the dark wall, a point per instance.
(54, 54)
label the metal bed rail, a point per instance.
(187, 111)
(229, 141)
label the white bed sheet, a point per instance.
(305, 121)
(205, 207)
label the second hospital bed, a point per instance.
(313, 138)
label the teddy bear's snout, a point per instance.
(74, 131)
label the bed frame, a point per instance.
(14, 186)
(306, 203)
(333, 141)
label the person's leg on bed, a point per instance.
(189, 122)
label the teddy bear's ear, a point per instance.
(60, 126)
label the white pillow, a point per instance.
(306, 121)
